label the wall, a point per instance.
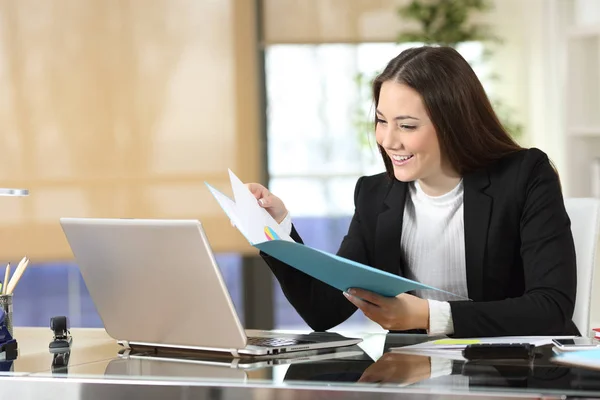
(123, 108)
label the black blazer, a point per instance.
(520, 256)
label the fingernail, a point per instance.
(352, 291)
(347, 295)
(262, 202)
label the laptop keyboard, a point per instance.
(275, 342)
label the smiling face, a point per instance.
(408, 137)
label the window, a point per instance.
(316, 151)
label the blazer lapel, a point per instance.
(389, 230)
(477, 212)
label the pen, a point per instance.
(6, 275)
(17, 275)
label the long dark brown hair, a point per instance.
(469, 132)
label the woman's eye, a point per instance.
(380, 121)
(408, 127)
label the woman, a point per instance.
(461, 207)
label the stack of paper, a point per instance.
(264, 233)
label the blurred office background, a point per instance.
(124, 108)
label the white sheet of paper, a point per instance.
(228, 206)
(253, 221)
(445, 354)
(253, 217)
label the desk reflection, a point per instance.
(437, 372)
(398, 368)
(180, 364)
(354, 365)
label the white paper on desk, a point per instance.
(448, 354)
(449, 344)
(251, 219)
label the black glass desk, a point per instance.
(99, 368)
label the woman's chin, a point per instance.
(404, 177)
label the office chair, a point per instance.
(585, 225)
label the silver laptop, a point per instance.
(155, 283)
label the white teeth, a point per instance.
(401, 158)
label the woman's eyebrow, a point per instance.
(399, 117)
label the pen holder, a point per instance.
(6, 302)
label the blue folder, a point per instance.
(580, 358)
(334, 270)
(337, 271)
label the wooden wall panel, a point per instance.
(123, 108)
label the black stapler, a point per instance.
(60, 346)
(62, 337)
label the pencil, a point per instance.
(17, 275)
(6, 275)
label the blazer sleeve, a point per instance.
(321, 306)
(549, 267)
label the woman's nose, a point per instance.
(390, 139)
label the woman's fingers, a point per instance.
(268, 201)
(258, 190)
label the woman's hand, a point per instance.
(268, 201)
(398, 313)
(398, 368)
